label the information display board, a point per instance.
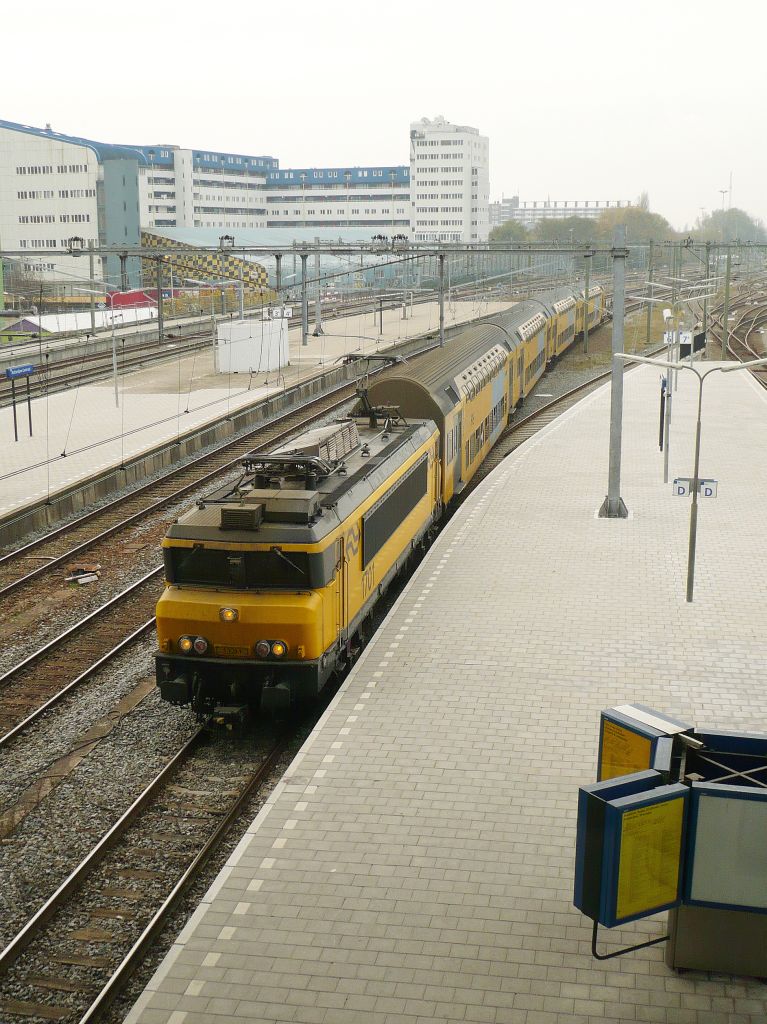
(649, 849)
(629, 847)
(632, 739)
(727, 847)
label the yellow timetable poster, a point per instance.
(650, 849)
(623, 751)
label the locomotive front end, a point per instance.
(233, 650)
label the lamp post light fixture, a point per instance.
(75, 245)
(627, 358)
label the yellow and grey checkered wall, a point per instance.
(202, 266)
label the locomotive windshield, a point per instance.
(242, 570)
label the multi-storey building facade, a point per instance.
(48, 193)
(190, 188)
(312, 197)
(449, 182)
(531, 213)
(54, 187)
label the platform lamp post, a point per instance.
(613, 506)
(693, 537)
(225, 243)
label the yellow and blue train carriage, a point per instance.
(464, 388)
(564, 308)
(594, 303)
(269, 582)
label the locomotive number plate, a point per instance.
(231, 652)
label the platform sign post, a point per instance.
(13, 373)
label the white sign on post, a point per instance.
(706, 488)
(682, 487)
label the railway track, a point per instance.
(60, 376)
(43, 678)
(74, 953)
(750, 315)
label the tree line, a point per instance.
(641, 226)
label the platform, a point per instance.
(81, 431)
(416, 862)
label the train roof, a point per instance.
(307, 487)
(476, 352)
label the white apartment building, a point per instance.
(189, 188)
(48, 193)
(531, 213)
(321, 197)
(449, 182)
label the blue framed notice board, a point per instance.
(629, 851)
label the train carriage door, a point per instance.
(521, 371)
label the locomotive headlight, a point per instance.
(186, 644)
(200, 644)
(228, 614)
(263, 648)
(279, 649)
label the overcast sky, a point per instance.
(580, 100)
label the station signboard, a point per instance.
(629, 847)
(633, 738)
(14, 372)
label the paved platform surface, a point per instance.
(78, 432)
(416, 862)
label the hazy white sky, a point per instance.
(581, 100)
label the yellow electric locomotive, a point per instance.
(269, 582)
